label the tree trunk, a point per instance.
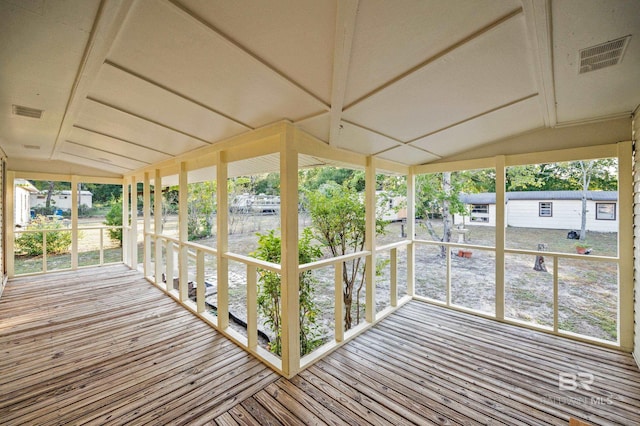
(583, 218)
(447, 220)
(47, 202)
(347, 293)
(585, 167)
(539, 264)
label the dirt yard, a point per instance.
(587, 291)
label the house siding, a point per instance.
(468, 220)
(62, 200)
(566, 214)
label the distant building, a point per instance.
(545, 209)
(22, 201)
(61, 199)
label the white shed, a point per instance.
(62, 199)
(546, 209)
(22, 201)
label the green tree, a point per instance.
(269, 290)
(268, 184)
(313, 179)
(563, 176)
(338, 218)
(438, 195)
(530, 177)
(114, 218)
(103, 193)
(201, 206)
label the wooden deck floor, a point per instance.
(102, 346)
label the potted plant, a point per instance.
(582, 247)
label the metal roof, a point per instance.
(490, 197)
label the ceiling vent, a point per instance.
(23, 111)
(31, 146)
(603, 55)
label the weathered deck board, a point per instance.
(428, 365)
(103, 346)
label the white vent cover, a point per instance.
(24, 111)
(31, 146)
(603, 55)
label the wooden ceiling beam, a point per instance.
(109, 20)
(345, 29)
(538, 18)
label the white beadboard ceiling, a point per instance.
(128, 83)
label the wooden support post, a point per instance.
(101, 246)
(625, 246)
(370, 239)
(448, 274)
(556, 293)
(146, 201)
(44, 251)
(222, 224)
(168, 274)
(411, 232)
(157, 224)
(200, 289)
(500, 235)
(9, 221)
(290, 283)
(339, 303)
(75, 189)
(183, 234)
(126, 236)
(134, 224)
(393, 285)
(252, 307)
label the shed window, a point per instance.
(605, 211)
(480, 208)
(545, 209)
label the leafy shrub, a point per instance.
(114, 218)
(58, 242)
(84, 210)
(269, 249)
(198, 227)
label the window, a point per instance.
(480, 213)
(545, 209)
(605, 211)
(480, 208)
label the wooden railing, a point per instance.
(167, 267)
(167, 249)
(341, 335)
(554, 256)
(45, 251)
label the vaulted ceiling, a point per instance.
(124, 84)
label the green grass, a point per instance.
(33, 264)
